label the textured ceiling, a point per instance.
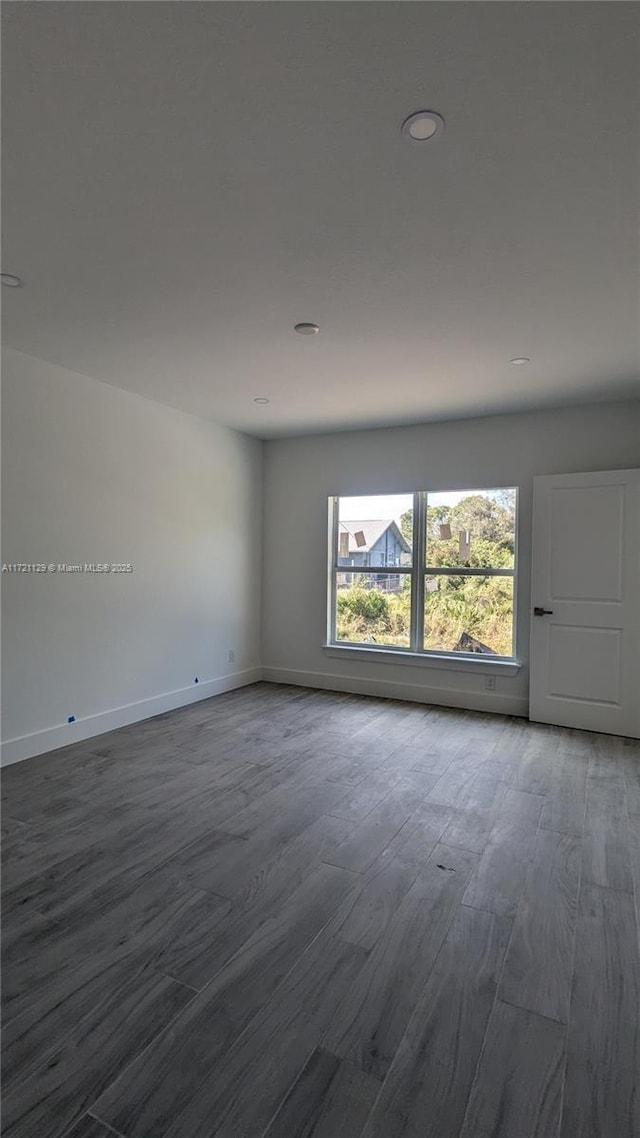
(185, 181)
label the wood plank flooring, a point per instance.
(285, 913)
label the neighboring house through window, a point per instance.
(373, 542)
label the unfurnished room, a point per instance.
(320, 569)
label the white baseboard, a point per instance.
(495, 702)
(52, 738)
(26, 746)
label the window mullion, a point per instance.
(372, 570)
(417, 582)
(467, 571)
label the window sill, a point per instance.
(471, 663)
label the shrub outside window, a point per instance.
(431, 572)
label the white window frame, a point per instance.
(418, 572)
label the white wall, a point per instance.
(94, 474)
(301, 474)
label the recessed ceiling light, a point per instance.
(10, 281)
(520, 360)
(423, 126)
(261, 399)
(306, 329)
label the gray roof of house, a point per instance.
(373, 529)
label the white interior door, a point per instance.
(585, 610)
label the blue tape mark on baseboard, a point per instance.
(71, 719)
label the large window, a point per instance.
(425, 572)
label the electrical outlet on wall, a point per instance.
(232, 656)
(490, 683)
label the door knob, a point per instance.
(538, 611)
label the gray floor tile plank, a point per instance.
(452, 788)
(470, 829)
(263, 867)
(634, 857)
(606, 857)
(240, 1091)
(216, 1018)
(268, 891)
(228, 802)
(499, 879)
(538, 968)
(518, 1085)
(64, 1052)
(564, 806)
(343, 768)
(414, 757)
(601, 1083)
(330, 1099)
(535, 773)
(373, 835)
(370, 1023)
(606, 757)
(94, 878)
(90, 1127)
(374, 904)
(284, 812)
(157, 916)
(474, 819)
(417, 839)
(428, 1085)
(365, 797)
